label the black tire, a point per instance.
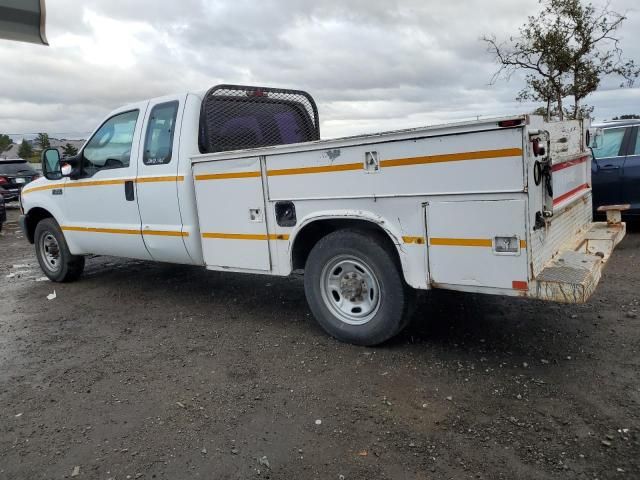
(371, 253)
(59, 266)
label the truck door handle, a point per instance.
(128, 190)
(610, 167)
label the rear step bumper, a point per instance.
(573, 274)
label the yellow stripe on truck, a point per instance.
(306, 170)
(174, 178)
(121, 231)
(95, 183)
(43, 187)
(453, 157)
(165, 233)
(467, 242)
(112, 181)
(225, 176)
(398, 162)
(244, 236)
(403, 162)
(461, 242)
(414, 240)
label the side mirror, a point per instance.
(51, 167)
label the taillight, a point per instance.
(538, 149)
(510, 123)
(257, 93)
(3, 181)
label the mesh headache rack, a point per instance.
(235, 117)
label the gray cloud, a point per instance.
(372, 64)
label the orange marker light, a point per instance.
(518, 285)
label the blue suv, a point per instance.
(615, 170)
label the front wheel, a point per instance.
(53, 254)
(355, 289)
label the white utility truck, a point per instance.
(237, 179)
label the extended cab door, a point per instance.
(100, 207)
(158, 179)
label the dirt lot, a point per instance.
(145, 370)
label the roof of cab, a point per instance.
(616, 123)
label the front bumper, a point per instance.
(573, 274)
(10, 194)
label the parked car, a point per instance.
(3, 212)
(615, 170)
(15, 174)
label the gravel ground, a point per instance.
(144, 370)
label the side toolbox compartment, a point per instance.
(475, 244)
(231, 213)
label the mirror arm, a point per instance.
(75, 163)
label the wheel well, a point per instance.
(34, 217)
(311, 234)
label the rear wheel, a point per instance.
(355, 289)
(53, 254)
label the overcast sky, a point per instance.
(371, 64)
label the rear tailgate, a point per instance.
(569, 250)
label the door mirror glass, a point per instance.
(51, 167)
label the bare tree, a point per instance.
(565, 51)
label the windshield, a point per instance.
(16, 167)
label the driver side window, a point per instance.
(110, 147)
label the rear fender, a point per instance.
(380, 222)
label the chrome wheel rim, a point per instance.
(350, 289)
(50, 252)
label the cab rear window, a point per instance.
(158, 144)
(237, 117)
